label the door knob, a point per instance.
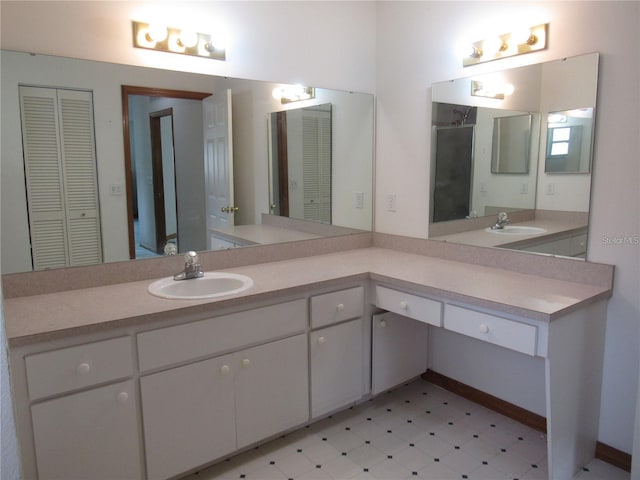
(83, 368)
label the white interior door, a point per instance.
(218, 161)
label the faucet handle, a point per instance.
(191, 258)
(502, 216)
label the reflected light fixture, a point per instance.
(518, 42)
(491, 89)
(174, 40)
(293, 93)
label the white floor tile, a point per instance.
(418, 431)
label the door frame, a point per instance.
(127, 90)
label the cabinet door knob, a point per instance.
(321, 340)
(123, 397)
(403, 305)
(340, 307)
(245, 362)
(83, 368)
(484, 328)
(224, 369)
(383, 323)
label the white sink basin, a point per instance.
(213, 284)
(517, 230)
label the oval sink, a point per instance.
(517, 230)
(213, 284)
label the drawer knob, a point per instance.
(123, 397)
(245, 362)
(383, 323)
(321, 340)
(484, 328)
(83, 368)
(403, 305)
(340, 307)
(224, 369)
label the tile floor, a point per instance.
(417, 431)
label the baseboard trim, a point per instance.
(603, 452)
(496, 404)
(613, 456)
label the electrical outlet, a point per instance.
(551, 189)
(391, 202)
(359, 199)
(524, 188)
(116, 189)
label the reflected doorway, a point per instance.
(130, 126)
(164, 179)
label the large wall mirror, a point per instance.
(517, 141)
(198, 172)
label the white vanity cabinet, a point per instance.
(400, 336)
(338, 352)
(272, 389)
(196, 413)
(92, 434)
(399, 351)
(189, 416)
(200, 412)
(84, 419)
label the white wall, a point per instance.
(416, 47)
(411, 46)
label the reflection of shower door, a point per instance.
(453, 172)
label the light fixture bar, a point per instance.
(507, 45)
(174, 40)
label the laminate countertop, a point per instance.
(483, 238)
(37, 317)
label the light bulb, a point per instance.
(188, 39)
(492, 45)
(157, 33)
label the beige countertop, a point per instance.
(262, 234)
(33, 318)
(482, 238)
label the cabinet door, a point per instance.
(399, 350)
(189, 416)
(272, 391)
(92, 434)
(336, 366)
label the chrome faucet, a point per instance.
(191, 268)
(502, 220)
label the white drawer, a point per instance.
(337, 306)
(59, 371)
(500, 331)
(180, 343)
(408, 305)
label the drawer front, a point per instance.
(408, 305)
(337, 306)
(165, 346)
(500, 331)
(59, 371)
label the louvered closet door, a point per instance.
(316, 144)
(59, 155)
(80, 179)
(43, 171)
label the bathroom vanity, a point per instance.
(112, 382)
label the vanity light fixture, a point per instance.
(293, 93)
(518, 42)
(174, 40)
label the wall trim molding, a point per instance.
(603, 452)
